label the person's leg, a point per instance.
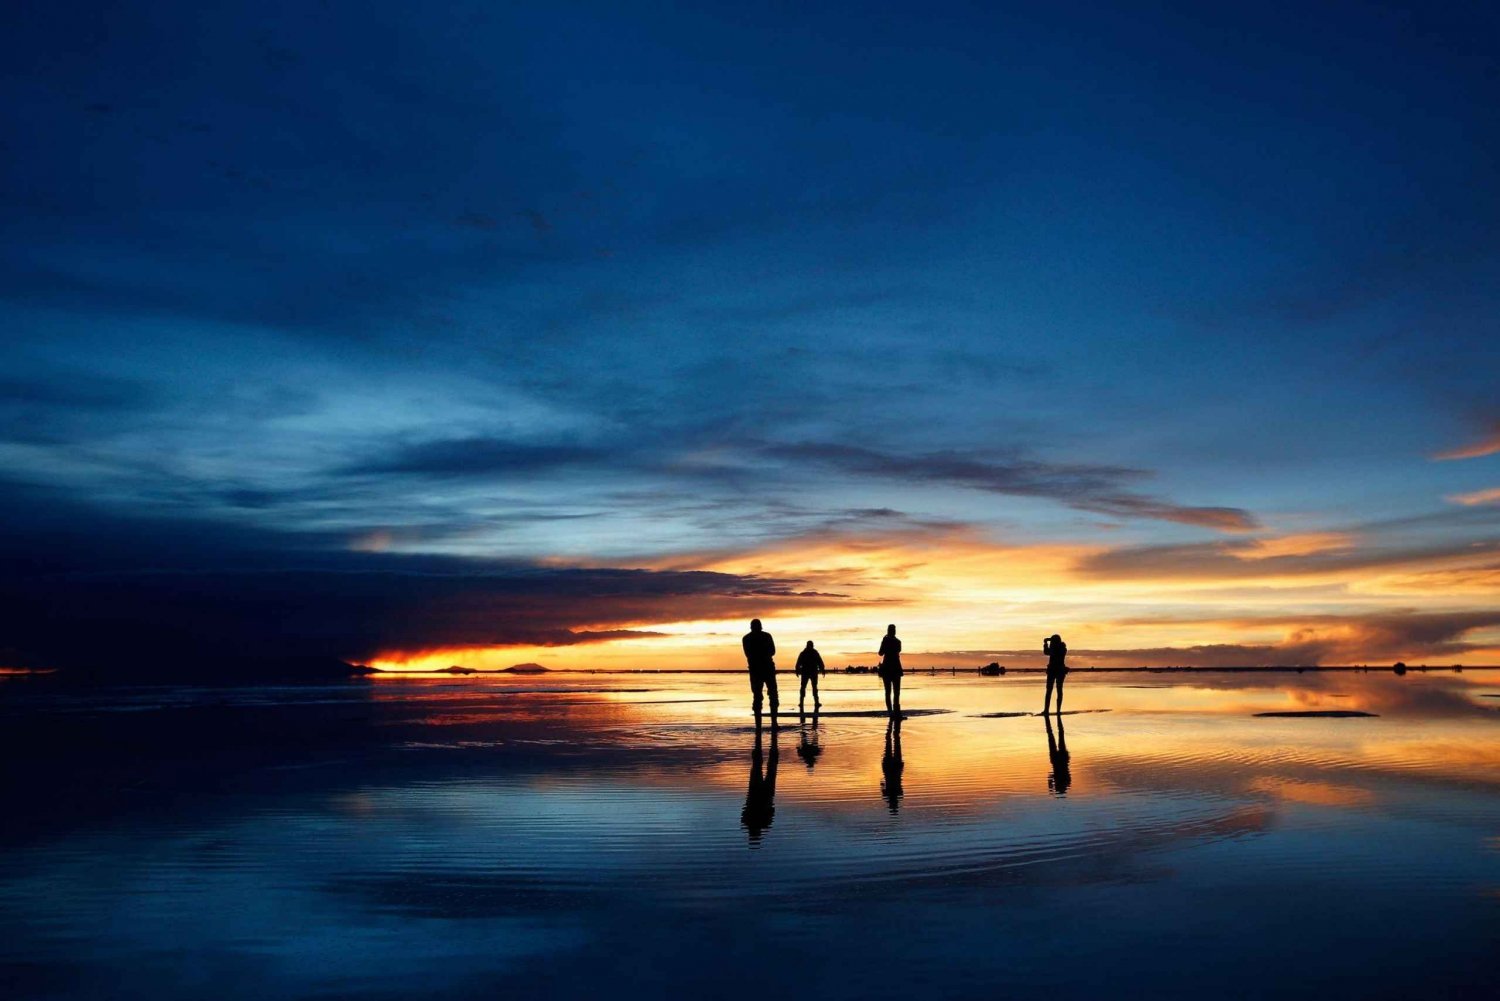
(817, 702)
(896, 689)
(887, 683)
(1060, 679)
(771, 691)
(802, 693)
(1047, 702)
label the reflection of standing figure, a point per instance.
(809, 663)
(1057, 669)
(760, 796)
(808, 746)
(890, 670)
(891, 766)
(1057, 750)
(760, 658)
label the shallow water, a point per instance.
(569, 835)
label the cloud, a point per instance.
(100, 593)
(1477, 497)
(1096, 488)
(475, 457)
(1247, 559)
(1374, 638)
(1488, 445)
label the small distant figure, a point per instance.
(760, 795)
(890, 670)
(809, 665)
(760, 658)
(1057, 669)
(891, 766)
(1057, 751)
(808, 745)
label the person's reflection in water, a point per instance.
(891, 766)
(1057, 750)
(808, 745)
(760, 797)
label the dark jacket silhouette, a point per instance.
(809, 662)
(890, 656)
(1057, 655)
(760, 650)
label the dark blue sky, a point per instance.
(615, 286)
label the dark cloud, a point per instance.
(97, 593)
(56, 407)
(1233, 559)
(1096, 488)
(476, 457)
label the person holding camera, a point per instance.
(890, 670)
(1057, 669)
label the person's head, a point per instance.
(890, 630)
(809, 644)
(1056, 638)
(755, 625)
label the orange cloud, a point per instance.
(1488, 445)
(1491, 496)
(963, 597)
(1304, 544)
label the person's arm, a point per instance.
(770, 646)
(745, 646)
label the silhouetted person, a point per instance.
(809, 663)
(760, 796)
(1057, 669)
(890, 670)
(808, 746)
(760, 658)
(1057, 751)
(891, 766)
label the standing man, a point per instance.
(809, 663)
(760, 658)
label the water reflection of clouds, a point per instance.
(531, 829)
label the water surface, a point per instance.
(569, 835)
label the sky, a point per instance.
(579, 334)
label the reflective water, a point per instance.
(572, 835)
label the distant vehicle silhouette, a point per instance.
(1057, 753)
(809, 746)
(809, 666)
(1057, 669)
(760, 795)
(890, 670)
(891, 766)
(760, 659)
